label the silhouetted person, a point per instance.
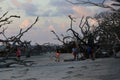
(90, 47)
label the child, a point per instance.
(57, 56)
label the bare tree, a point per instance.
(13, 41)
(108, 23)
(80, 39)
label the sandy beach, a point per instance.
(45, 68)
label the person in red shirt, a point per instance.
(18, 53)
(57, 56)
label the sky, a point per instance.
(53, 15)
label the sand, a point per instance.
(45, 68)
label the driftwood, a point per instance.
(6, 65)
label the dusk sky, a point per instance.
(53, 15)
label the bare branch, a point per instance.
(92, 3)
(3, 32)
(21, 33)
(6, 19)
(4, 15)
(72, 20)
(4, 23)
(81, 21)
(58, 38)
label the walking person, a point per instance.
(89, 51)
(57, 55)
(18, 53)
(75, 53)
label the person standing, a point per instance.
(57, 55)
(90, 48)
(18, 53)
(75, 53)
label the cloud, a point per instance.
(29, 8)
(82, 11)
(55, 8)
(2, 0)
(59, 3)
(51, 28)
(25, 23)
(48, 13)
(29, 0)
(62, 8)
(16, 3)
